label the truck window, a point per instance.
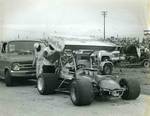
(4, 48)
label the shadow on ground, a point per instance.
(21, 82)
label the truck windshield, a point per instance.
(21, 47)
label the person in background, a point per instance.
(37, 59)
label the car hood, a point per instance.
(20, 58)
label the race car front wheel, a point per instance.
(132, 88)
(47, 83)
(81, 92)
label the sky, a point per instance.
(38, 18)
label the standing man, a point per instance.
(37, 60)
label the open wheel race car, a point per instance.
(136, 56)
(83, 82)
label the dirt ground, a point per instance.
(141, 74)
(24, 100)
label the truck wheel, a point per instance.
(8, 79)
(146, 64)
(46, 84)
(132, 87)
(107, 69)
(81, 92)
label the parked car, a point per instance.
(136, 55)
(82, 81)
(16, 58)
(113, 56)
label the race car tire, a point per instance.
(81, 92)
(47, 83)
(132, 87)
(107, 69)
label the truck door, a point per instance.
(2, 58)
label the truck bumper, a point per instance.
(118, 58)
(26, 74)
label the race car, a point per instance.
(83, 81)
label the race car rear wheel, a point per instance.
(132, 87)
(107, 69)
(81, 92)
(47, 83)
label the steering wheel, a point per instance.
(79, 66)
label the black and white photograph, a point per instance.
(74, 57)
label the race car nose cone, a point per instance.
(115, 93)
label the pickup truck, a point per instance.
(16, 57)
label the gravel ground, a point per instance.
(24, 100)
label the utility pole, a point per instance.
(104, 13)
(18, 36)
